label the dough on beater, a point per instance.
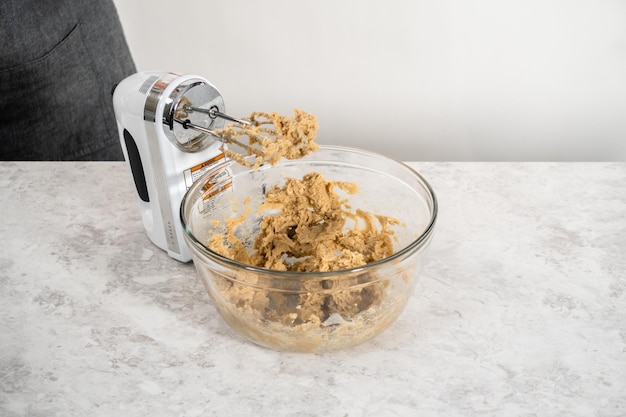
(289, 137)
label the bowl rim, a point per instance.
(414, 245)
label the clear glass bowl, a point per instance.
(311, 311)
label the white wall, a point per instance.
(418, 80)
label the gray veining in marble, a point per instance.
(520, 309)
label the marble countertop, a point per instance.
(520, 309)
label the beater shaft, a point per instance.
(214, 112)
(188, 125)
(221, 115)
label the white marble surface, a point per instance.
(520, 310)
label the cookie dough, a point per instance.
(270, 137)
(310, 228)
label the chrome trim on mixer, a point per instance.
(171, 105)
(145, 87)
(154, 96)
(180, 114)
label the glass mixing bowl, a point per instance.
(310, 311)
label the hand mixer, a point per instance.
(166, 124)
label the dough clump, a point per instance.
(311, 229)
(270, 137)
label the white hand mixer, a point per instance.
(167, 125)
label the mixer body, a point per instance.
(164, 157)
